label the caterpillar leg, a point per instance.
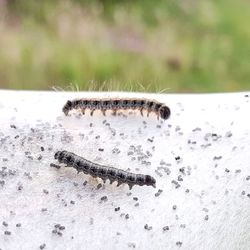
(141, 110)
(114, 112)
(92, 112)
(104, 112)
(83, 111)
(119, 183)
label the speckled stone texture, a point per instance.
(200, 158)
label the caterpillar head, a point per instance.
(164, 112)
(67, 107)
(58, 155)
(150, 181)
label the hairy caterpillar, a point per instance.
(103, 172)
(160, 109)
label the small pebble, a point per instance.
(179, 243)
(104, 198)
(42, 246)
(158, 192)
(148, 227)
(45, 191)
(5, 223)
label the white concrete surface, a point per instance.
(200, 158)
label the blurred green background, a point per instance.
(133, 45)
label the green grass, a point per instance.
(172, 46)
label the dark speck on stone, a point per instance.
(39, 158)
(54, 231)
(177, 158)
(117, 209)
(19, 187)
(180, 178)
(7, 232)
(196, 129)
(54, 166)
(104, 198)
(217, 158)
(5, 223)
(61, 227)
(45, 191)
(177, 128)
(228, 134)
(177, 185)
(182, 170)
(166, 228)
(147, 227)
(18, 225)
(150, 139)
(131, 245)
(42, 246)
(59, 233)
(179, 243)
(158, 192)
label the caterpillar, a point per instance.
(160, 109)
(103, 172)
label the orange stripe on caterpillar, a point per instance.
(160, 109)
(103, 172)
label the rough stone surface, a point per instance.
(199, 157)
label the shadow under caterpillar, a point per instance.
(103, 172)
(160, 109)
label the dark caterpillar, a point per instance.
(103, 172)
(160, 109)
